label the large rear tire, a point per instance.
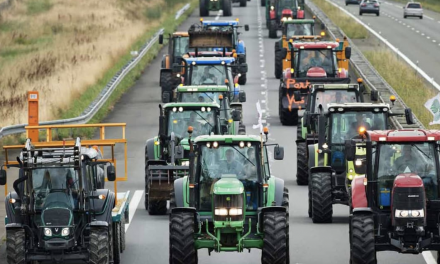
(99, 246)
(182, 249)
(146, 179)
(15, 246)
(243, 3)
(363, 249)
(278, 61)
(167, 84)
(157, 207)
(242, 79)
(322, 203)
(302, 168)
(288, 118)
(272, 29)
(203, 8)
(116, 242)
(122, 234)
(227, 8)
(275, 244)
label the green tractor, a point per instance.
(330, 175)
(322, 95)
(166, 155)
(215, 5)
(230, 202)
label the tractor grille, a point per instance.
(228, 202)
(412, 198)
(56, 217)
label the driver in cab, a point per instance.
(231, 165)
(207, 76)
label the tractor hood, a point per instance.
(57, 210)
(228, 184)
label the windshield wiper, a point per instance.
(243, 155)
(208, 96)
(203, 119)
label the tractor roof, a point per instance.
(207, 88)
(300, 21)
(220, 23)
(192, 105)
(359, 106)
(210, 60)
(335, 86)
(228, 138)
(316, 45)
(406, 135)
(181, 34)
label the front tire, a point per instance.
(243, 3)
(99, 246)
(15, 246)
(302, 168)
(167, 84)
(272, 29)
(362, 239)
(275, 246)
(227, 8)
(116, 242)
(278, 61)
(322, 206)
(242, 79)
(182, 250)
(263, 2)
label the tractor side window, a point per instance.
(181, 46)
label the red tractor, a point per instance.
(396, 206)
(280, 11)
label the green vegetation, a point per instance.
(38, 6)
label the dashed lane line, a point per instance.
(134, 202)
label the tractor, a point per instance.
(280, 11)
(166, 155)
(56, 213)
(238, 46)
(216, 5)
(395, 206)
(321, 95)
(330, 174)
(311, 62)
(295, 30)
(230, 202)
(178, 45)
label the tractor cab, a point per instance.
(399, 194)
(233, 26)
(298, 27)
(280, 11)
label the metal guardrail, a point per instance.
(96, 105)
(366, 71)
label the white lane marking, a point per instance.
(263, 93)
(428, 37)
(417, 31)
(134, 202)
(219, 14)
(434, 40)
(428, 17)
(423, 34)
(429, 257)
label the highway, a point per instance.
(418, 39)
(147, 236)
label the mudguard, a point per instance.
(188, 210)
(240, 48)
(358, 193)
(10, 211)
(13, 226)
(279, 191)
(98, 224)
(327, 169)
(268, 209)
(103, 208)
(180, 189)
(149, 145)
(363, 210)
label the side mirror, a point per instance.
(297, 96)
(236, 115)
(374, 96)
(2, 177)
(279, 153)
(283, 53)
(246, 27)
(161, 39)
(409, 116)
(350, 149)
(243, 68)
(166, 97)
(242, 96)
(178, 152)
(111, 173)
(348, 53)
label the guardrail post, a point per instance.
(33, 115)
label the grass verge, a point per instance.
(351, 28)
(404, 81)
(433, 5)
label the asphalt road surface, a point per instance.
(147, 236)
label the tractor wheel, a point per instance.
(263, 2)
(278, 64)
(157, 207)
(227, 8)
(15, 246)
(310, 201)
(243, 3)
(302, 168)
(275, 245)
(285, 202)
(99, 250)
(116, 242)
(363, 249)
(122, 234)
(172, 201)
(242, 79)
(272, 29)
(146, 179)
(287, 118)
(203, 8)
(167, 84)
(182, 250)
(322, 207)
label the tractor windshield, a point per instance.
(286, 4)
(48, 183)
(227, 160)
(393, 159)
(299, 30)
(333, 96)
(345, 125)
(191, 97)
(308, 59)
(203, 122)
(181, 46)
(210, 75)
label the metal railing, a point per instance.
(102, 98)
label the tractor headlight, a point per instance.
(185, 163)
(284, 19)
(402, 213)
(221, 211)
(324, 146)
(235, 211)
(358, 163)
(409, 213)
(289, 18)
(65, 231)
(47, 232)
(272, 7)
